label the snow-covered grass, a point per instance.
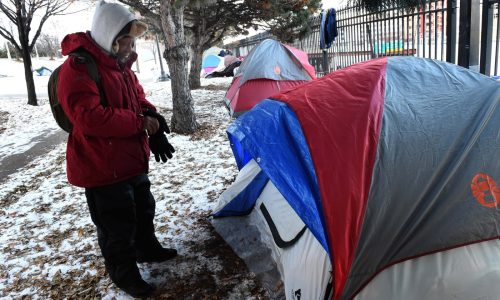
(12, 80)
(48, 245)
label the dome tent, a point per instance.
(211, 60)
(395, 179)
(43, 71)
(269, 68)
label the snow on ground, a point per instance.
(48, 245)
(12, 80)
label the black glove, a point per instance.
(161, 148)
(158, 142)
(161, 120)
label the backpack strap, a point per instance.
(85, 57)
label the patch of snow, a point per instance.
(48, 245)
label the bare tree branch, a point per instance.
(8, 12)
(50, 10)
(37, 33)
(147, 9)
(9, 37)
(21, 14)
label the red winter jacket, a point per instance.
(107, 144)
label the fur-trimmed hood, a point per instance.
(73, 41)
(109, 20)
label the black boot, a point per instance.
(139, 289)
(127, 277)
(157, 255)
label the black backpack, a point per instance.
(59, 115)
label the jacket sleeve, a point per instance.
(145, 104)
(80, 100)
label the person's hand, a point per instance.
(160, 147)
(158, 142)
(161, 120)
(150, 125)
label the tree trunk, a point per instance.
(183, 117)
(176, 53)
(8, 50)
(195, 70)
(28, 74)
(137, 66)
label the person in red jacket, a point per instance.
(108, 147)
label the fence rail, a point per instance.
(465, 33)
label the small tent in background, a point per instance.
(212, 51)
(211, 63)
(211, 60)
(392, 186)
(43, 71)
(269, 68)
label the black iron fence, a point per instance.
(465, 33)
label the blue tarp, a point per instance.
(272, 136)
(211, 61)
(43, 71)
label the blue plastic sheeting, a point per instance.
(243, 203)
(271, 134)
(241, 156)
(43, 71)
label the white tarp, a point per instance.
(303, 264)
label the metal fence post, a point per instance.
(464, 33)
(486, 34)
(163, 76)
(451, 30)
(326, 68)
(369, 32)
(475, 33)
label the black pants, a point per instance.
(123, 214)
